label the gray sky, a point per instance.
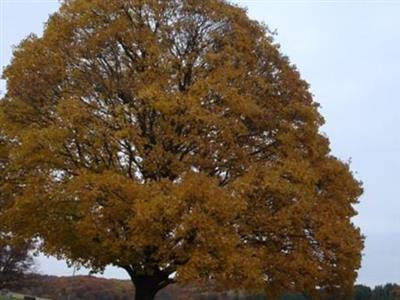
(349, 52)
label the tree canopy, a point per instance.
(174, 140)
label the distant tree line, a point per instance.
(380, 292)
(94, 288)
(361, 292)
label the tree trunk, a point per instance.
(144, 294)
(147, 285)
(146, 288)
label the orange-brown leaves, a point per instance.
(173, 137)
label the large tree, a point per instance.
(173, 139)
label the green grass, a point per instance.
(7, 298)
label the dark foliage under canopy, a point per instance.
(15, 261)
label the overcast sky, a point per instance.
(349, 52)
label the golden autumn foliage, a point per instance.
(174, 140)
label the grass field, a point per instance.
(7, 298)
